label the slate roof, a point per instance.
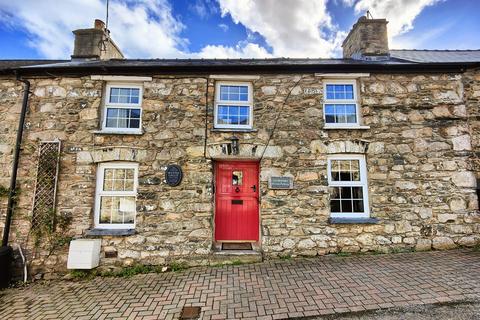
(13, 64)
(398, 60)
(437, 56)
(271, 62)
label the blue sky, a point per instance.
(232, 28)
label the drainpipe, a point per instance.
(13, 179)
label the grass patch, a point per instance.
(401, 250)
(344, 254)
(178, 266)
(127, 272)
(4, 191)
(285, 257)
(83, 274)
(132, 271)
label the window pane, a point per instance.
(335, 206)
(330, 118)
(350, 108)
(358, 206)
(122, 123)
(351, 118)
(243, 120)
(346, 192)
(237, 178)
(345, 170)
(118, 179)
(340, 113)
(125, 95)
(233, 93)
(340, 92)
(335, 193)
(105, 209)
(112, 113)
(329, 109)
(117, 209)
(357, 192)
(111, 123)
(346, 206)
(134, 123)
(244, 111)
(234, 115)
(341, 118)
(134, 99)
(122, 118)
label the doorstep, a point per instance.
(236, 253)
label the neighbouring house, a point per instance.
(205, 160)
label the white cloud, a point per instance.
(241, 50)
(293, 28)
(203, 8)
(149, 29)
(223, 26)
(399, 13)
(49, 24)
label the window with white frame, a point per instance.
(115, 204)
(347, 179)
(123, 108)
(233, 105)
(340, 104)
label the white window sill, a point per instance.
(112, 132)
(326, 127)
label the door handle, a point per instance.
(254, 188)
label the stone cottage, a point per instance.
(205, 160)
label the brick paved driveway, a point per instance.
(271, 290)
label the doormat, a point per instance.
(237, 246)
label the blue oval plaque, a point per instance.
(173, 175)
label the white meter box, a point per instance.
(84, 254)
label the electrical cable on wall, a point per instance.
(278, 116)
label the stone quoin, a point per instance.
(377, 151)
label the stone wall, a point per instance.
(11, 92)
(418, 150)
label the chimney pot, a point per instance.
(99, 24)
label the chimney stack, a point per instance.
(95, 43)
(368, 40)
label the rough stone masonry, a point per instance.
(419, 136)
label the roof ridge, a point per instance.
(437, 50)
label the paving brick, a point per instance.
(270, 290)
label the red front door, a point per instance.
(236, 201)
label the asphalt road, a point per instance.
(454, 311)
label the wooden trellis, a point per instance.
(43, 213)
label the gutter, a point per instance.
(13, 178)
